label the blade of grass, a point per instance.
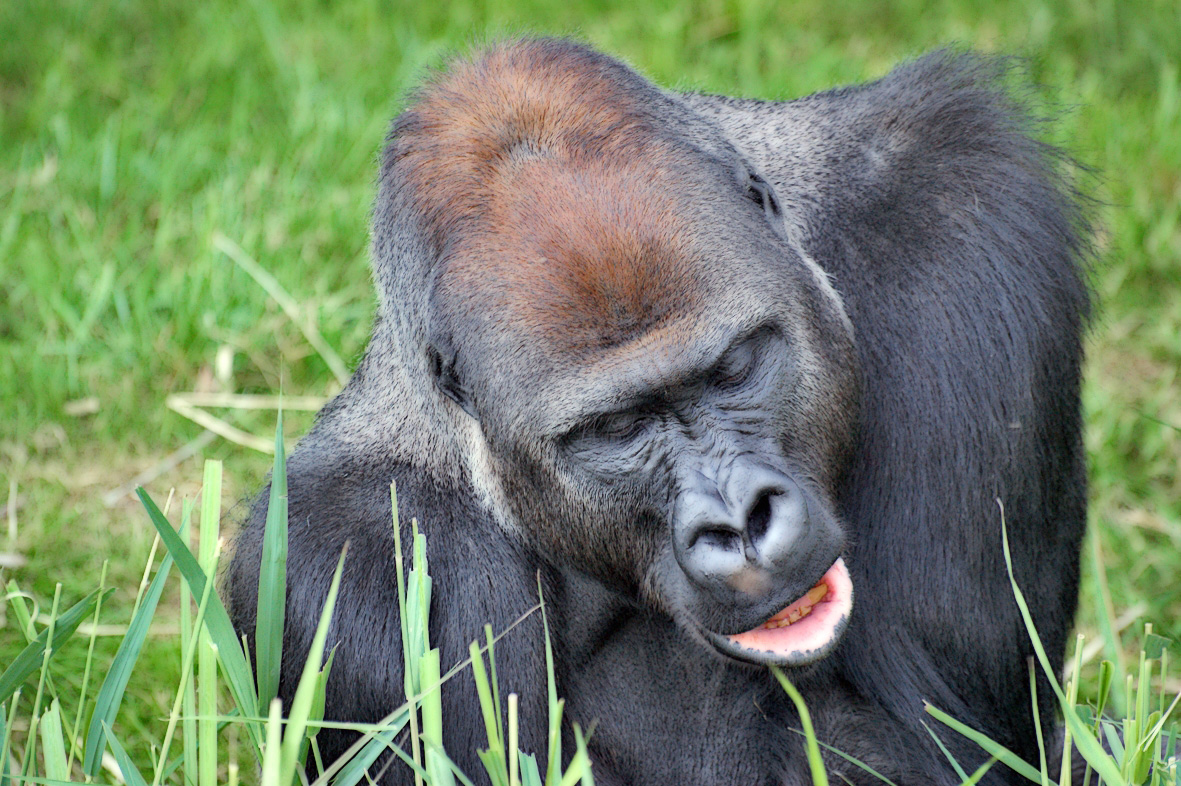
(7, 716)
(31, 741)
(450, 771)
(31, 657)
(1037, 723)
(207, 684)
(305, 691)
(409, 654)
(1065, 772)
(229, 652)
(432, 720)
(530, 775)
(514, 753)
(53, 745)
(272, 580)
(110, 694)
(852, 760)
(815, 763)
(316, 714)
(186, 672)
(980, 772)
(1106, 612)
(354, 764)
(579, 769)
(553, 770)
(994, 749)
(491, 641)
(272, 765)
(487, 709)
(1090, 748)
(581, 749)
(131, 775)
(955, 765)
(189, 709)
(289, 305)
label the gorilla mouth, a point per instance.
(802, 632)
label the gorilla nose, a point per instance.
(746, 547)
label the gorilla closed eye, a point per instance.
(617, 427)
(737, 365)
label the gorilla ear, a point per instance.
(442, 360)
(760, 192)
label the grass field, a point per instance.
(146, 145)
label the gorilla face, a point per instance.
(746, 547)
(665, 387)
(686, 454)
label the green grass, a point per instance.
(134, 133)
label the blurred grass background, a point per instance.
(133, 133)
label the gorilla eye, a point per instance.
(737, 366)
(619, 427)
(759, 192)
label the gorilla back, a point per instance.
(709, 367)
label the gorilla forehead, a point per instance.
(558, 206)
(582, 257)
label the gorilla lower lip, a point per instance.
(806, 629)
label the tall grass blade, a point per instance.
(1090, 748)
(955, 765)
(491, 640)
(581, 750)
(815, 763)
(994, 749)
(1037, 724)
(217, 621)
(553, 770)
(110, 695)
(32, 656)
(436, 762)
(353, 769)
(980, 772)
(31, 741)
(272, 758)
(316, 713)
(131, 775)
(272, 580)
(852, 760)
(186, 671)
(53, 745)
(530, 776)
(579, 769)
(305, 691)
(493, 758)
(207, 683)
(187, 633)
(6, 739)
(1065, 771)
(514, 752)
(83, 690)
(1105, 611)
(410, 650)
(1156, 645)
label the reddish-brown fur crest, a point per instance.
(543, 178)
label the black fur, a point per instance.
(955, 244)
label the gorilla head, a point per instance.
(665, 386)
(610, 357)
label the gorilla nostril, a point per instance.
(759, 519)
(719, 538)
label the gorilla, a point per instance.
(741, 383)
